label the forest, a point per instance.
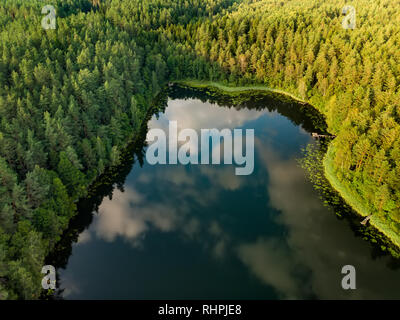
(72, 98)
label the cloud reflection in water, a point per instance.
(316, 241)
(303, 261)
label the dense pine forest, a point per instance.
(73, 97)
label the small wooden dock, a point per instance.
(364, 222)
(319, 136)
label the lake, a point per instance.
(202, 232)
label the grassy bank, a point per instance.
(376, 221)
(382, 226)
(234, 89)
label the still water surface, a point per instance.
(200, 231)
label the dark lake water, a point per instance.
(200, 231)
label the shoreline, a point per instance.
(380, 225)
(228, 89)
(357, 206)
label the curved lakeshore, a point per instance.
(358, 207)
(99, 181)
(236, 89)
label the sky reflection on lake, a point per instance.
(200, 231)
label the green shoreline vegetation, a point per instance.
(71, 98)
(236, 89)
(383, 226)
